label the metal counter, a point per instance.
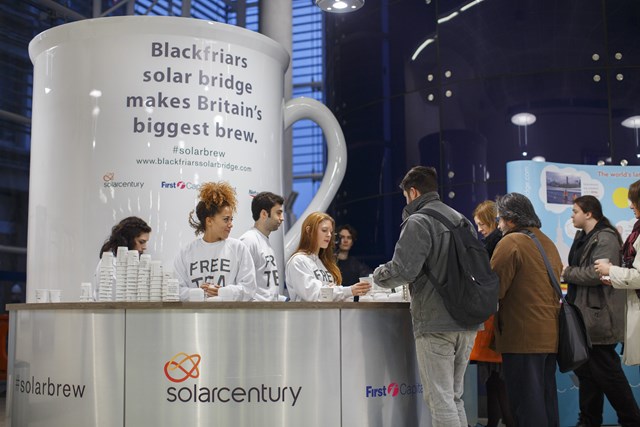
(192, 364)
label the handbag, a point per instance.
(573, 339)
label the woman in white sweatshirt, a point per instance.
(215, 260)
(313, 265)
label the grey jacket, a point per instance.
(423, 239)
(602, 306)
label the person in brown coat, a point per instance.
(527, 319)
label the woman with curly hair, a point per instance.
(215, 260)
(313, 264)
(131, 232)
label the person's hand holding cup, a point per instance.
(603, 266)
(361, 288)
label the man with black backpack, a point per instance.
(421, 258)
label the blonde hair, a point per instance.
(486, 212)
(309, 243)
(214, 196)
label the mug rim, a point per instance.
(117, 26)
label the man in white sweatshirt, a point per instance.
(268, 214)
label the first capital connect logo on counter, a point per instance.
(182, 367)
(393, 389)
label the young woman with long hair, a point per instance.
(313, 264)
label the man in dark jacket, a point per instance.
(442, 345)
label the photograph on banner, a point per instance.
(552, 188)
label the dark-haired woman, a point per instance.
(603, 310)
(131, 232)
(215, 260)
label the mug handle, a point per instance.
(308, 108)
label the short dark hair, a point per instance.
(350, 229)
(422, 178)
(264, 200)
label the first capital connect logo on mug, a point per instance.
(182, 366)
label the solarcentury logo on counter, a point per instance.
(183, 367)
(393, 389)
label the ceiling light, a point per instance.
(470, 5)
(523, 119)
(632, 122)
(426, 43)
(339, 6)
(448, 18)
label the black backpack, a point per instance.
(470, 289)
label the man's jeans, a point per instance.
(443, 359)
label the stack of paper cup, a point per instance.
(121, 273)
(105, 277)
(155, 282)
(85, 292)
(144, 270)
(133, 260)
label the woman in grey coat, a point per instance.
(603, 310)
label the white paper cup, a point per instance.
(42, 295)
(603, 261)
(196, 294)
(326, 294)
(225, 294)
(369, 280)
(55, 295)
(85, 290)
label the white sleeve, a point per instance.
(180, 271)
(245, 286)
(300, 278)
(627, 278)
(342, 293)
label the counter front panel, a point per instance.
(68, 366)
(240, 367)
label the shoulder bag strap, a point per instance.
(554, 282)
(445, 221)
